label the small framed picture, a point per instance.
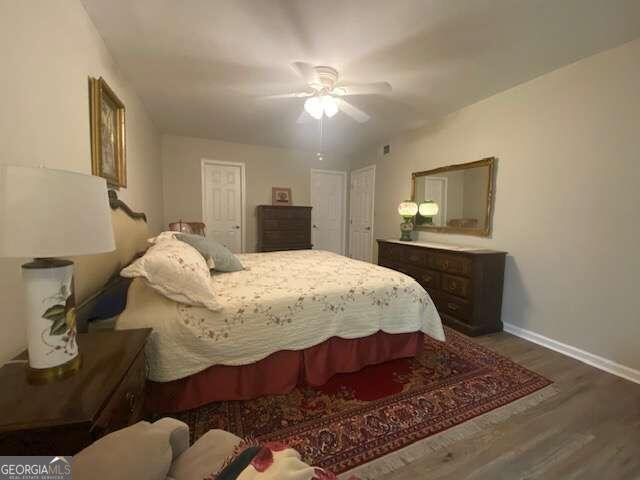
(108, 151)
(280, 196)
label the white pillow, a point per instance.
(168, 235)
(176, 270)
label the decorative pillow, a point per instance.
(177, 271)
(271, 461)
(223, 259)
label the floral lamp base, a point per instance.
(51, 319)
(406, 228)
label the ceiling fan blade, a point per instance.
(304, 117)
(355, 113)
(289, 95)
(375, 88)
(307, 72)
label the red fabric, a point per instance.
(280, 372)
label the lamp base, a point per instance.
(40, 376)
(51, 319)
(406, 228)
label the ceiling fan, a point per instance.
(324, 93)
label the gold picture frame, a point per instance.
(108, 147)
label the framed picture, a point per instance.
(280, 196)
(108, 150)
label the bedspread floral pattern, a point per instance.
(281, 301)
(350, 281)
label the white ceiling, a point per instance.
(200, 65)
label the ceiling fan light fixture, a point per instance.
(329, 105)
(314, 107)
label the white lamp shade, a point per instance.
(408, 209)
(428, 209)
(314, 107)
(53, 213)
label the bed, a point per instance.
(289, 318)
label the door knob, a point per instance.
(367, 228)
(315, 226)
(237, 227)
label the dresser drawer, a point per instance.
(450, 305)
(398, 267)
(285, 237)
(300, 224)
(384, 252)
(415, 256)
(429, 279)
(456, 285)
(126, 404)
(285, 213)
(450, 264)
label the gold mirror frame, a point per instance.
(480, 232)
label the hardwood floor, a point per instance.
(589, 430)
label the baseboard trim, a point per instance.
(589, 358)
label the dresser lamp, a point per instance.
(47, 214)
(428, 210)
(407, 211)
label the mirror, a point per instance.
(456, 198)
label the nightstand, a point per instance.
(63, 417)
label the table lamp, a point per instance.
(428, 210)
(47, 214)
(407, 211)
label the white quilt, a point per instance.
(281, 301)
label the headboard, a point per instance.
(99, 288)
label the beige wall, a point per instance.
(568, 181)
(48, 50)
(266, 167)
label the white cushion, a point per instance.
(177, 271)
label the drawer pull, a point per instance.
(131, 398)
(427, 278)
(445, 264)
(452, 306)
(453, 285)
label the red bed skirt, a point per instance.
(280, 372)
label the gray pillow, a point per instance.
(224, 260)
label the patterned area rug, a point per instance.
(359, 417)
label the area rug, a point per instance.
(364, 417)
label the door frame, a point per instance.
(243, 194)
(443, 204)
(373, 205)
(343, 210)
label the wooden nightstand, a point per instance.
(62, 418)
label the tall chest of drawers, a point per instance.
(465, 285)
(283, 227)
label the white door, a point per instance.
(362, 190)
(328, 199)
(435, 190)
(223, 203)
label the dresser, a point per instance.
(465, 284)
(64, 417)
(283, 227)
